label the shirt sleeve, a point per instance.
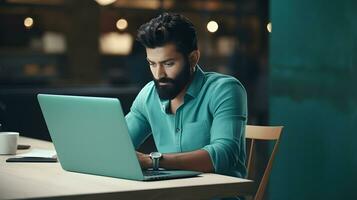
(227, 143)
(138, 124)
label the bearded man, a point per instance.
(197, 118)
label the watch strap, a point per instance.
(155, 163)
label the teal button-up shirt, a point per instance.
(212, 117)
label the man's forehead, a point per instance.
(165, 52)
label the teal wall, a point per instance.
(313, 93)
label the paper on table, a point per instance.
(39, 153)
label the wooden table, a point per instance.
(50, 181)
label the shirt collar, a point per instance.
(165, 105)
(197, 82)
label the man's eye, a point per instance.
(169, 64)
(151, 64)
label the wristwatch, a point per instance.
(155, 157)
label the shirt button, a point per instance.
(177, 130)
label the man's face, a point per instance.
(170, 70)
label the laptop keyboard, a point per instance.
(153, 173)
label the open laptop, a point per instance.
(91, 136)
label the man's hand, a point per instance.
(198, 160)
(144, 160)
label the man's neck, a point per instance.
(176, 102)
(179, 99)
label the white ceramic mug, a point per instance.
(8, 142)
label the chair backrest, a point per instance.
(254, 133)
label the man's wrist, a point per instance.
(155, 159)
(148, 162)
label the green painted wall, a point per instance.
(313, 93)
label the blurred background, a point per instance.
(89, 47)
(300, 74)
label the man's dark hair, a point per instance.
(169, 28)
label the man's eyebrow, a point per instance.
(167, 60)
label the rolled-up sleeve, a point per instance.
(138, 124)
(227, 134)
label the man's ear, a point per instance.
(194, 57)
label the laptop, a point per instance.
(91, 136)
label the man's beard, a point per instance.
(174, 86)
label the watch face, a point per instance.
(155, 155)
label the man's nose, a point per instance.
(160, 72)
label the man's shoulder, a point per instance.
(147, 90)
(149, 86)
(224, 90)
(220, 81)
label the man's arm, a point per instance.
(227, 141)
(227, 145)
(138, 125)
(198, 160)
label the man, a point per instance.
(197, 119)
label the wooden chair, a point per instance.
(268, 133)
